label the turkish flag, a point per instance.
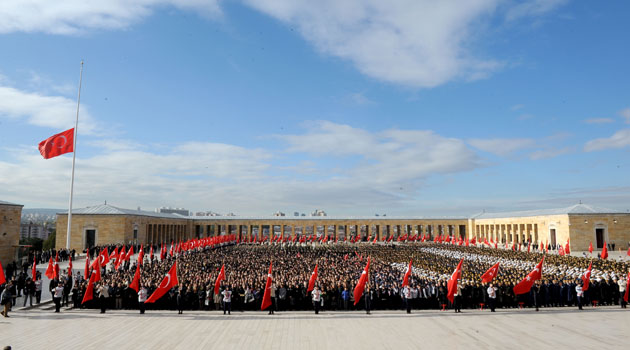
(70, 267)
(89, 291)
(50, 270)
(121, 257)
(526, 284)
(489, 275)
(311, 281)
(86, 271)
(220, 278)
(604, 254)
(590, 247)
(135, 284)
(358, 289)
(56, 266)
(97, 270)
(625, 296)
(169, 281)
(541, 247)
(561, 251)
(407, 274)
(129, 253)
(114, 254)
(586, 279)
(151, 253)
(58, 144)
(266, 302)
(567, 249)
(3, 279)
(34, 270)
(628, 253)
(452, 282)
(104, 257)
(140, 256)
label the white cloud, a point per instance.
(386, 159)
(533, 8)
(410, 42)
(502, 146)
(55, 112)
(620, 139)
(418, 43)
(599, 120)
(549, 153)
(391, 167)
(75, 16)
(625, 113)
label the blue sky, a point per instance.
(354, 107)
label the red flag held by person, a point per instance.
(586, 278)
(151, 253)
(89, 291)
(169, 281)
(86, 272)
(121, 257)
(625, 296)
(452, 282)
(526, 284)
(34, 269)
(135, 284)
(56, 266)
(604, 251)
(489, 275)
(50, 270)
(57, 144)
(3, 279)
(567, 249)
(220, 277)
(70, 266)
(130, 253)
(114, 254)
(407, 274)
(590, 247)
(628, 253)
(311, 281)
(358, 290)
(97, 271)
(140, 256)
(266, 302)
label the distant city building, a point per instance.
(230, 214)
(318, 212)
(279, 213)
(169, 210)
(207, 213)
(295, 213)
(36, 230)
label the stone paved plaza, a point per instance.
(559, 328)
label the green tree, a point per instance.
(49, 243)
(34, 242)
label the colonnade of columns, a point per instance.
(508, 233)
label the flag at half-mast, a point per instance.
(57, 144)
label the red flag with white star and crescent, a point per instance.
(526, 284)
(586, 278)
(266, 302)
(169, 281)
(489, 275)
(407, 274)
(311, 281)
(452, 282)
(57, 144)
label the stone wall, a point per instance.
(10, 217)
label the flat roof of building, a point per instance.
(7, 203)
(578, 209)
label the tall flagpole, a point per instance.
(74, 156)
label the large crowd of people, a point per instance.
(339, 267)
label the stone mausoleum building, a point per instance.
(10, 216)
(580, 224)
